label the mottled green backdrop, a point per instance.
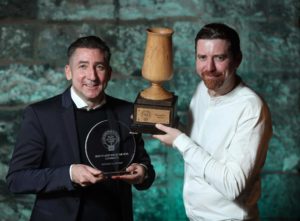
(34, 35)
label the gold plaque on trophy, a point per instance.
(155, 104)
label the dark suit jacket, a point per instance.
(46, 147)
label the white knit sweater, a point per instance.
(224, 154)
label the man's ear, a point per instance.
(108, 76)
(109, 71)
(68, 72)
(239, 60)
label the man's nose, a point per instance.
(92, 73)
(210, 65)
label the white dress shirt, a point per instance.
(81, 104)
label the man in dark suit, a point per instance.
(49, 158)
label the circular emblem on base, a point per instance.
(110, 139)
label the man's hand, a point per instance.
(135, 174)
(84, 175)
(169, 137)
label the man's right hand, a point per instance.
(84, 175)
(170, 134)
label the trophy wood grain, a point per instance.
(158, 63)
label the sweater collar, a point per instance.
(226, 97)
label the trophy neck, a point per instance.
(156, 92)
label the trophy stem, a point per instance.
(156, 92)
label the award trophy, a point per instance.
(110, 147)
(155, 104)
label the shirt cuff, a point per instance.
(146, 170)
(182, 142)
(70, 172)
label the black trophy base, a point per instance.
(147, 113)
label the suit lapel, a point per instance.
(70, 124)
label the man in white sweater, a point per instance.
(230, 127)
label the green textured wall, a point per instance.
(34, 35)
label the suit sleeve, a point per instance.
(28, 171)
(142, 157)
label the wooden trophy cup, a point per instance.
(155, 104)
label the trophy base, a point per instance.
(147, 113)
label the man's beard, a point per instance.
(213, 83)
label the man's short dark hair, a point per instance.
(93, 42)
(221, 31)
